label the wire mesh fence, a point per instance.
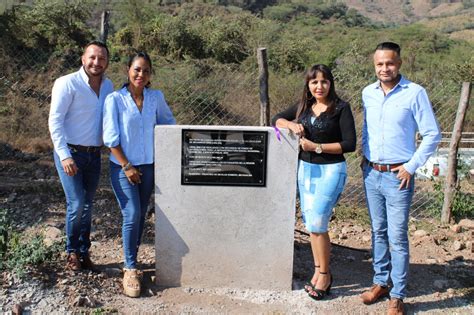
(428, 197)
(201, 93)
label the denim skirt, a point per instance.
(320, 186)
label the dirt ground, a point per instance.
(441, 270)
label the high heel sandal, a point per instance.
(318, 294)
(309, 286)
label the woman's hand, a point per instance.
(307, 145)
(295, 128)
(133, 175)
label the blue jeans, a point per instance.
(388, 209)
(79, 190)
(133, 201)
(320, 186)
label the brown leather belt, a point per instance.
(82, 148)
(383, 167)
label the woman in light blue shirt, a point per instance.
(130, 115)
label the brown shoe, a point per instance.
(73, 262)
(395, 307)
(87, 263)
(374, 293)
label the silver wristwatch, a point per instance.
(319, 148)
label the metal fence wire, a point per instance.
(201, 93)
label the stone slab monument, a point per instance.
(224, 206)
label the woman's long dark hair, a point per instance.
(307, 100)
(135, 56)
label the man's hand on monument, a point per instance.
(403, 175)
(69, 166)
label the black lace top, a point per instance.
(337, 126)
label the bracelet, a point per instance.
(127, 167)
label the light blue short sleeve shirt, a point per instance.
(125, 125)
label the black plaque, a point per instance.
(223, 157)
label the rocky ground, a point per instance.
(441, 270)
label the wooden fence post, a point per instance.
(451, 177)
(263, 79)
(104, 26)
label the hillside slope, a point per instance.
(401, 11)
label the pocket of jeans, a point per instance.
(394, 180)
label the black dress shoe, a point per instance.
(86, 263)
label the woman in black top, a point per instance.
(326, 128)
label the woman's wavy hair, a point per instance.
(307, 99)
(135, 56)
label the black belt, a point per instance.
(383, 167)
(82, 148)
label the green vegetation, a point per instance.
(297, 33)
(463, 202)
(345, 212)
(463, 206)
(51, 29)
(103, 311)
(21, 251)
(192, 41)
(26, 252)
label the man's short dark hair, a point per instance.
(98, 43)
(389, 46)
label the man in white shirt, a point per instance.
(75, 124)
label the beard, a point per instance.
(94, 72)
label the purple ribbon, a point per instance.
(277, 133)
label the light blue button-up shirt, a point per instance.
(391, 122)
(75, 116)
(133, 130)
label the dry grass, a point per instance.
(467, 35)
(458, 26)
(398, 12)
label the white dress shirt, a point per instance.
(75, 116)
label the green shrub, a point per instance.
(290, 55)
(25, 252)
(173, 36)
(282, 12)
(225, 40)
(51, 25)
(463, 202)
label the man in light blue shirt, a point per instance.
(75, 124)
(394, 110)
